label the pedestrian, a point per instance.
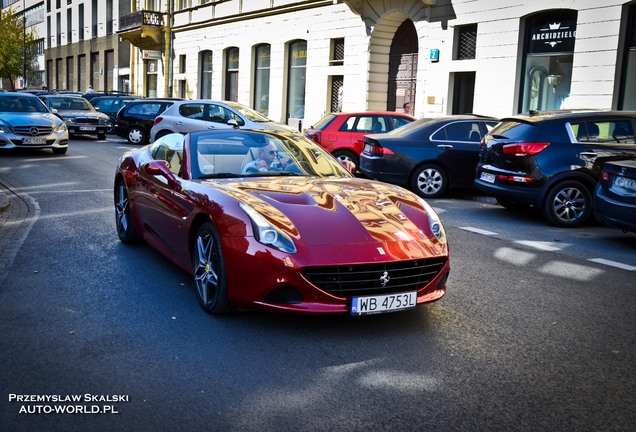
(408, 108)
(90, 89)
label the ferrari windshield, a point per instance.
(240, 153)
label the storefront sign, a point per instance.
(150, 54)
(555, 36)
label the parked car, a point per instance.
(135, 120)
(25, 122)
(91, 95)
(429, 155)
(252, 241)
(110, 105)
(342, 134)
(204, 114)
(553, 160)
(615, 195)
(79, 115)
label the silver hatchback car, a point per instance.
(205, 114)
(25, 122)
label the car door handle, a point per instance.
(444, 146)
(179, 123)
(590, 154)
(210, 126)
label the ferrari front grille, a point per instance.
(375, 278)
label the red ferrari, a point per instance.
(270, 220)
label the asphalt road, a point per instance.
(533, 335)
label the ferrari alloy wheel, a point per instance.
(209, 271)
(125, 229)
(429, 181)
(568, 204)
(136, 135)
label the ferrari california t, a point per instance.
(300, 233)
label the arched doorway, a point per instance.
(402, 67)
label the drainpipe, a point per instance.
(168, 50)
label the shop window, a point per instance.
(627, 93)
(547, 68)
(466, 42)
(205, 62)
(296, 74)
(261, 78)
(336, 57)
(231, 74)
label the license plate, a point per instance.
(87, 128)
(34, 140)
(487, 177)
(383, 303)
(625, 183)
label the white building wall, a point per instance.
(368, 31)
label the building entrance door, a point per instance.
(402, 67)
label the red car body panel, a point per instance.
(333, 138)
(339, 221)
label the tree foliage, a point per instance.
(13, 39)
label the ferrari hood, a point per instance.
(324, 211)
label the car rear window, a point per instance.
(324, 122)
(513, 130)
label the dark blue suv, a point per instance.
(553, 160)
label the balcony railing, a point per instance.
(140, 18)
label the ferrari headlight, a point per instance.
(268, 234)
(435, 223)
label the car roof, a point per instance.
(538, 116)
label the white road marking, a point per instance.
(478, 231)
(571, 271)
(544, 246)
(613, 264)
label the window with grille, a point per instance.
(336, 57)
(336, 93)
(466, 42)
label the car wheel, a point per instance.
(125, 229)
(162, 134)
(346, 155)
(111, 126)
(429, 181)
(209, 271)
(136, 135)
(59, 150)
(101, 135)
(568, 204)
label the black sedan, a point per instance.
(429, 155)
(615, 195)
(79, 115)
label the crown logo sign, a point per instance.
(555, 26)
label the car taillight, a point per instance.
(375, 149)
(314, 136)
(157, 120)
(605, 177)
(524, 149)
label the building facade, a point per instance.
(34, 19)
(82, 45)
(296, 60)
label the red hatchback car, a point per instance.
(342, 134)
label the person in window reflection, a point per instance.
(268, 160)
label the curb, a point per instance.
(4, 201)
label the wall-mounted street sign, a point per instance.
(151, 54)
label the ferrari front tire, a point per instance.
(209, 271)
(123, 220)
